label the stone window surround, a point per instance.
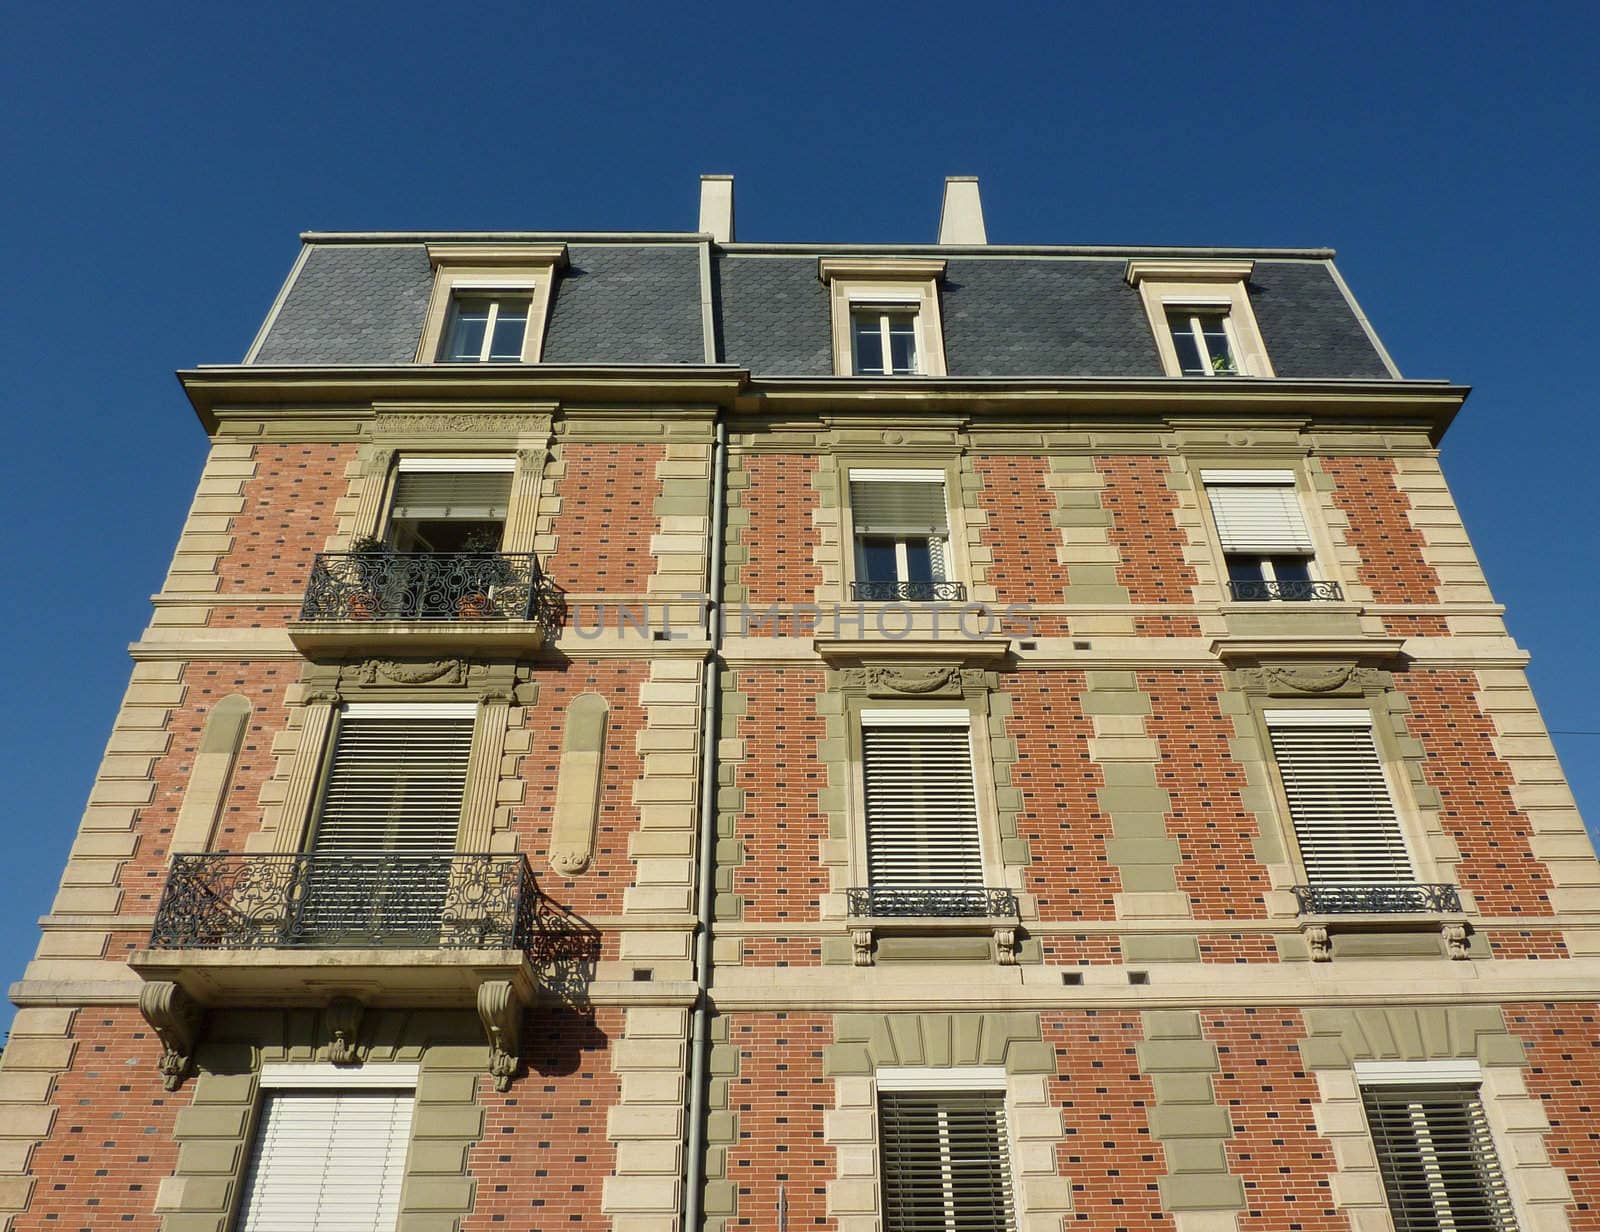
(1323, 561)
(380, 468)
(491, 267)
(958, 567)
(1216, 284)
(885, 280)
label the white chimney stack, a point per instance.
(716, 207)
(961, 217)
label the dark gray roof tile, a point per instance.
(627, 304)
(1307, 325)
(353, 304)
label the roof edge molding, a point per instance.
(879, 269)
(1184, 270)
(520, 255)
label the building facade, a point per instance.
(654, 731)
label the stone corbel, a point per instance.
(1318, 942)
(501, 1009)
(1455, 940)
(861, 946)
(343, 1023)
(176, 1019)
(1005, 947)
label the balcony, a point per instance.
(1376, 899)
(1301, 590)
(943, 920)
(1398, 920)
(908, 592)
(426, 601)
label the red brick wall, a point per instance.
(288, 516)
(1564, 1075)
(780, 539)
(544, 1155)
(1497, 865)
(608, 496)
(600, 888)
(1144, 526)
(780, 877)
(111, 1142)
(1108, 1154)
(780, 1096)
(1214, 832)
(207, 683)
(1065, 832)
(1390, 547)
(1275, 1149)
(1019, 532)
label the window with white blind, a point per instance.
(390, 807)
(902, 533)
(1344, 816)
(450, 504)
(921, 801)
(945, 1161)
(1437, 1157)
(1265, 539)
(328, 1158)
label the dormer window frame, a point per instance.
(490, 271)
(893, 285)
(1171, 287)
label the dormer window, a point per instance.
(1200, 316)
(885, 316)
(490, 302)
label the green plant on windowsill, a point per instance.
(487, 570)
(1223, 365)
(363, 601)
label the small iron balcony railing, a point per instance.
(1255, 590)
(1376, 899)
(908, 592)
(428, 586)
(932, 901)
(350, 900)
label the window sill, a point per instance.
(316, 638)
(940, 921)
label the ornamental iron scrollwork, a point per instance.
(1291, 590)
(931, 901)
(222, 901)
(908, 592)
(455, 586)
(1376, 899)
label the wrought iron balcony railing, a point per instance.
(933, 901)
(1255, 590)
(352, 900)
(428, 586)
(1375, 899)
(908, 592)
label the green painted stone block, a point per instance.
(721, 1197)
(1030, 1057)
(1192, 1056)
(1181, 1088)
(1142, 948)
(1190, 1155)
(1189, 1121)
(839, 1060)
(1201, 1192)
(1323, 1052)
(1170, 1024)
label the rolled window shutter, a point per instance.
(328, 1162)
(1257, 511)
(898, 507)
(451, 494)
(1437, 1157)
(946, 1165)
(922, 812)
(395, 784)
(1344, 817)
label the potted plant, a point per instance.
(363, 600)
(484, 568)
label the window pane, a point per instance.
(510, 327)
(869, 344)
(903, 344)
(1244, 569)
(877, 559)
(1189, 361)
(1219, 353)
(1291, 568)
(470, 320)
(919, 561)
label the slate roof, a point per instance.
(1005, 315)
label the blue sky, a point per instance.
(163, 158)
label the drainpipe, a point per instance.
(700, 1035)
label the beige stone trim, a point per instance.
(208, 530)
(205, 794)
(510, 266)
(681, 544)
(871, 281)
(1165, 284)
(484, 774)
(287, 799)
(644, 1192)
(40, 1047)
(1540, 790)
(1446, 548)
(1086, 550)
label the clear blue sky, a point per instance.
(162, 159)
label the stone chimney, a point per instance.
(716, 207)
(961, 216)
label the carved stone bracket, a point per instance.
(1005, 947)
(861, 947)
(342, 1021)
(1455, 941)
(1312, 679)
(501, 1010)
(1318, 942)
(176, 1019)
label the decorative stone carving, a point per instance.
(176, 1018)
(438, 671)
(480, 425)
(1005, 947)
(342, 1020)
(583, 745)
(321, 697)
(1455, 941)
(1314, 680)
(501, 1008)
(1319, 943)
(861, 947)
(932, 680)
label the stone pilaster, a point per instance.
(1188, 1122)
(1091, 559)
(39, 1048)
(644, 1193)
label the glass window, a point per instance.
(885, 341)
(1203, 342)
(485, 329)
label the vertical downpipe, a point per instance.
(700, 1035)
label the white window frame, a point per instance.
(1216, 285)
(1211, 477)
(895, 284)
(885, 310)
(477, 269)
(873, 474)
(498, 294)
(1191, 311)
